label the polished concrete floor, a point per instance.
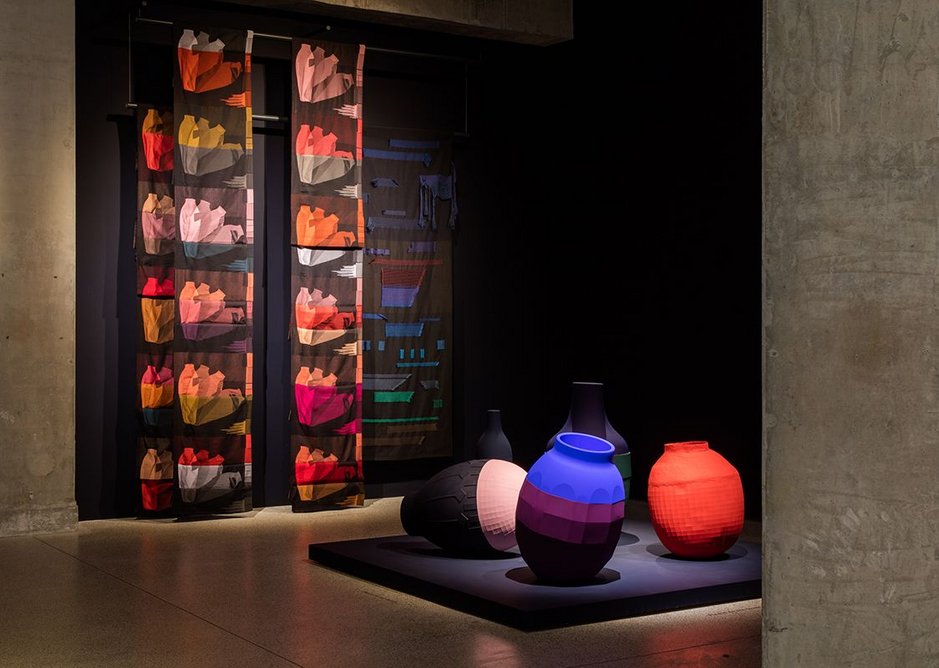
(240, 591)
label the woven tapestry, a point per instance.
(326, 275)
(155, 245)
(214, 265)
(410, 216)
(198, 365)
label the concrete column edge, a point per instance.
(39, 519)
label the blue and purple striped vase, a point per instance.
(570, 510)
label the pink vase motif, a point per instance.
(317, 78)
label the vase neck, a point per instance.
(494, 419)
(687, 446)
(587, 411)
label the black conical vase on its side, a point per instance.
(494, 444)
(588, 416)
(444, 509)
(468, 508)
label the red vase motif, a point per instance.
(695, 500)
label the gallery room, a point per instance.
(467, 333)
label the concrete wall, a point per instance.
(37, 266)
(851, 193)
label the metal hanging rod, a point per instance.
(282, 38)
(287, 38)
(130, 79)
(254, 117)
(376, 49)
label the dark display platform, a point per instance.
(640, 579)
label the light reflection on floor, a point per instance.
(241, 591)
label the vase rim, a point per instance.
(585, 446)
(687, 446)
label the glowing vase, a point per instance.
(695, 500)
(570, 509)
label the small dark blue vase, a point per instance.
(493, 444)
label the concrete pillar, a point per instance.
(37, 266)
(851, 447)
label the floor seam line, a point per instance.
(169, 603)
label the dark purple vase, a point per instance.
(588, 416)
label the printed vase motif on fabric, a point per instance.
(213, 274)
(410, 214)
(327, 232)
(154, 244)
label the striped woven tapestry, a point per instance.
(194, 238)
(326, 275)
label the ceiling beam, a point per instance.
(537, 22)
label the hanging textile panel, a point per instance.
(410, 212)
(154, 246)
(214, 280)
(326, 275)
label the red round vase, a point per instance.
(695, 500)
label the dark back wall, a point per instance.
(618, 241)
(597, 240)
